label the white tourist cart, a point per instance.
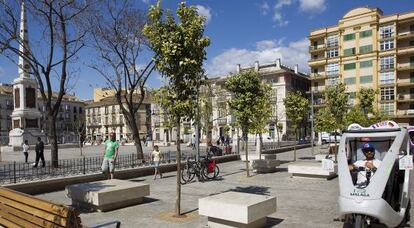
(384, 195)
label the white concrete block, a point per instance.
(264, 166)
(108, 194)
(269, 156)
(320, 157)
(310, 169)
(236, 209)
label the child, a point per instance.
(156, 157)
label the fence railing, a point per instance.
(19, 172)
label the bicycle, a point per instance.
(202, 169)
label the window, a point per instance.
(332, 41)
(412, 77)
(411, 60)
(349, 37)
(412, 28)
(350, 81)
(332, 69)
(387, 108)
(349, 66)
(332, 53)
(366, 33)
(365, 79)
(332, 81)
(315, 44)
(411, 43)
(387, 44)
(17, 98)
(387, 62)
(386, 77)
(349, 51)
(387, 94)
(365, 49)
(364, 64)
(386, 31)
(352, 95)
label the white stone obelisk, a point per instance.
(25, 116)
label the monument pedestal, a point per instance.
(17, 136)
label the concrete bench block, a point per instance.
(237, 209)
(108, 194)
(320, 157)
(269, 156)
(311, 169)
(265, 166)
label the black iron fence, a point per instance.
(19, 172)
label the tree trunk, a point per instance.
(294, 145)
(260, 147)
(278, 138)
(80, 144)
(136, 138)
(53, 141)
(178, 159)
(246, 150)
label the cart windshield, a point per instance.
(365, 156)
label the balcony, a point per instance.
(405, 35)
(409, 113)
(316, 76)
(317, 61)
(333, 45)
(402, 98)
(222, 121)
(317, 48)
(405, 66)
(405, 83)
(405, 50)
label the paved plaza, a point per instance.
(301, 202)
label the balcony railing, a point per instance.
(222, 121)
(405, 35)
(317, 48)
(318, 76)
(403, 67)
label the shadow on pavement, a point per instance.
(260, 190)
(273, 221)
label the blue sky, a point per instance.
(243, 31)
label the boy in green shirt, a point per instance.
(110, 155)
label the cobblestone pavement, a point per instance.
(301, 202)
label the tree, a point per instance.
(119, 41)
(366, 97)
(356, 115)
(179, 49)
(324, 121)
(206, 110)
(262, 115)
(279, 129)
(248, 93)
(61, 39)
(297, 108)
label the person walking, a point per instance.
(156, 157)
(25, 147)
(110, 155)
(39, 149)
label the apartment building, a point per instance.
(282, 79)
(371, 50)
(104, 115)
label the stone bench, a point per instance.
(237, 209)
(267, 164)
(108, 194)
(311, 169)
(320, 157)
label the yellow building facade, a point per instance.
(367, 49)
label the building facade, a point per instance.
(105, 115)
(367, 49)
(71, 116)
(282, 79)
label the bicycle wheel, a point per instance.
(186, 174)
(211, 175)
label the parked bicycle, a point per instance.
(204, 169)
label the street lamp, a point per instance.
(311, 119)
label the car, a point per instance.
(330, 137)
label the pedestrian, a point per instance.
(144, 139)
(193, 142)
(39, 149)
(25, 147)
(156, 157)
(110, 155)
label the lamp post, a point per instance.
(311, 118)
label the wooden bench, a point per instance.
(22, 210)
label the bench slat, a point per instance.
(40, 213)
(27, 216)
(16, 219)
(8, 224)
(60, 210)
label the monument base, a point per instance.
(17, 136)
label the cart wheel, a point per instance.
(359, 222)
